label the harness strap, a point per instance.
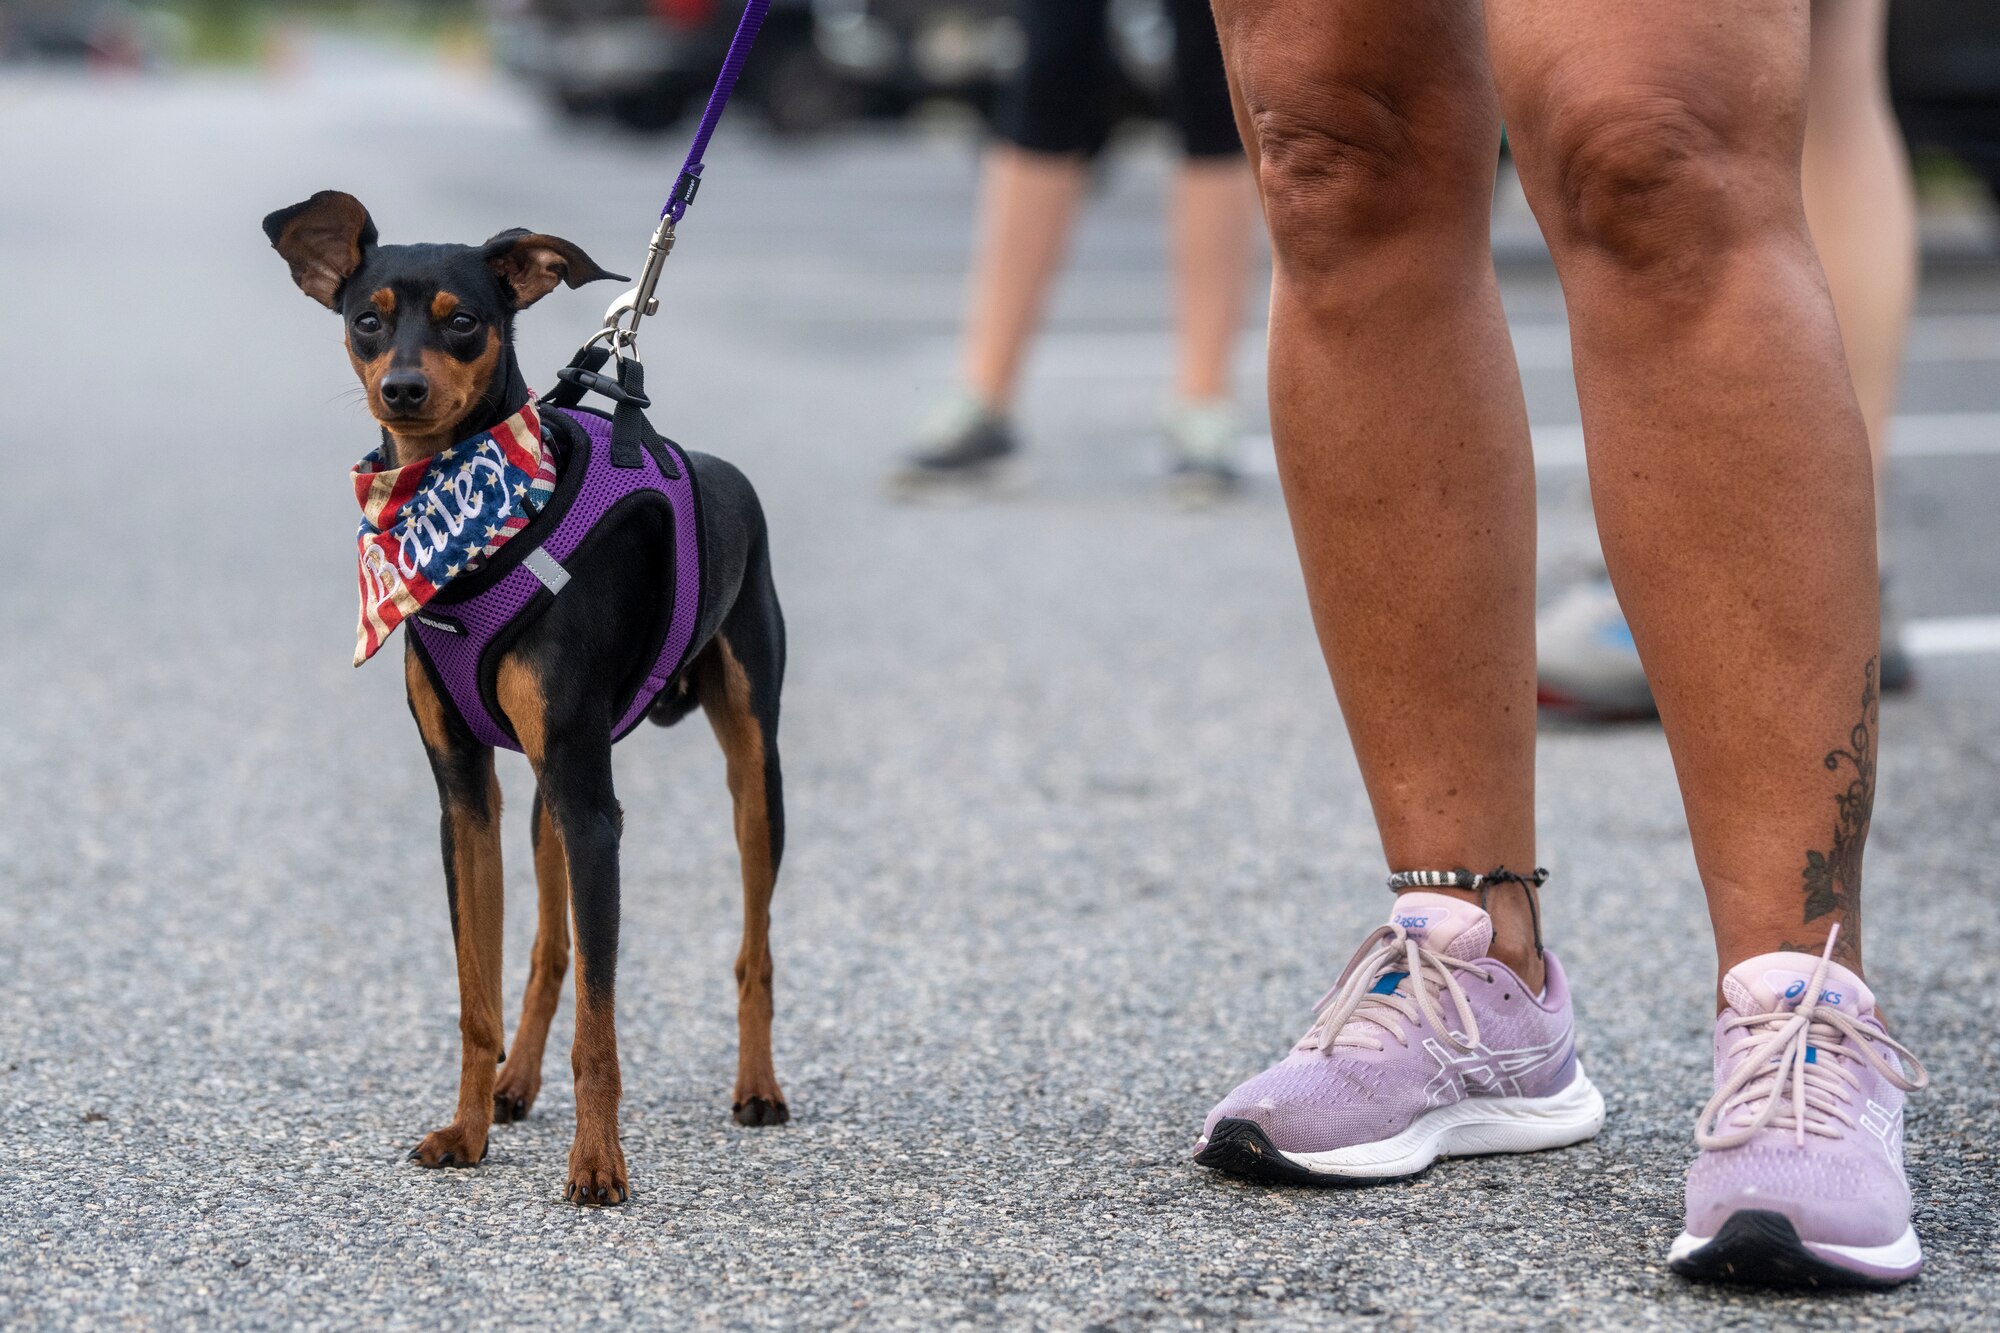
(689, 180)
(628, 419)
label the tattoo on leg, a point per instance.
(1833, 878)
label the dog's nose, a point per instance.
(405, 390)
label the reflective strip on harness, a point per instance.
(546, 568)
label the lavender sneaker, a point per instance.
(1385, 1082)
(1800, 1177)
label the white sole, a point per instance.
(1903, 1252)
(1471, 1128)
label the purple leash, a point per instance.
(621, 321)
(718, 98)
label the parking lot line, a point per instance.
(1946, 636)
(1911, 435)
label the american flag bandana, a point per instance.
(426, 523)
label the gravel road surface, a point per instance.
(1076, 839)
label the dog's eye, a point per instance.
(462, 323)
(367, 322)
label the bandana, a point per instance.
(426, 523)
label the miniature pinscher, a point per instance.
(429, 330)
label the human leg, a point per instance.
(1728, 463)
(1861, 208)
(1214, 221)
(1027, 206)
(1050, 121)
(1860, 201)
(1402, 444)
(1214, 209)
(1401, 432)
(1659, 146)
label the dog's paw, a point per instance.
(450, 1146)
(514, 1093)
(597, 1177)
(761, 1111)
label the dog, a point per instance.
(429, 332)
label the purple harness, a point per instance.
(462, 638)
(462, 632)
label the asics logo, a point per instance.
(1798, 988)
(1485, 1070)
(1412, 922)
(1886, 1127)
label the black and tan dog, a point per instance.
(429, 330)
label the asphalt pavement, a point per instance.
(1075, 836)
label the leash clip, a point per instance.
(621, 320)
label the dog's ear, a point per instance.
(531, 264)
(323, 239)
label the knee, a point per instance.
(1345, 169)
(1657, 184)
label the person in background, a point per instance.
(1052, 122)
(1861, 207)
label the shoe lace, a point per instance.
(1358, 1001)
(1807, 1050)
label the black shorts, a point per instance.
(1060, 101)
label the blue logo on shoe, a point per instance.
(1412, 922)
(1798, 988)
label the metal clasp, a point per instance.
(621, 320)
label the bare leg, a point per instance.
(1028, 203)
(1214, 220)
(1402, 436)
(1660, 148)
(1860, 201)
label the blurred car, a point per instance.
(902, 52)
(646, 63)
(1944, 73)
(105, 34)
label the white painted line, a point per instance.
(1916, 435)
(1539, 345)
(1943, 636)
(1933, 340)
(1944, 435)
(1919, 435)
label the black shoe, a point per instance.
(970, 448)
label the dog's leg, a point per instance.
(470, 829)
(744, 712)
(521, 1076)
(570, 749)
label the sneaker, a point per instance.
(1897, 672)
(1203, 439)
(1800, 1177)
(1425, 1048)
(967, 445)
(1587, 664)
(1585, 660)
